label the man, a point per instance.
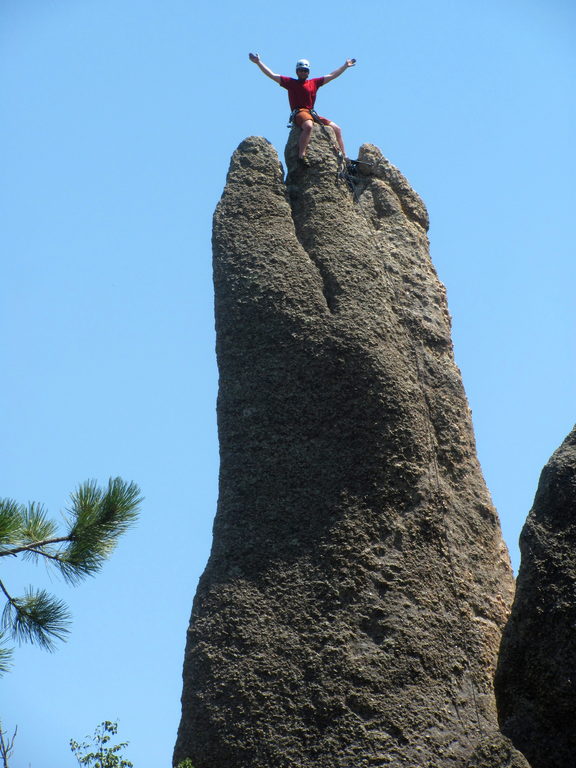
(302, 95)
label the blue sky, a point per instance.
(118, 121)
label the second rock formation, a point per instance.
(536, 680)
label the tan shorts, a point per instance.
(304, 114)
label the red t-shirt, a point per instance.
(301, 94)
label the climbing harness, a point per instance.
(315, 116)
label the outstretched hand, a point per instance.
(350, 62)
(254, 57)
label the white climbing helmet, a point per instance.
(303, 64)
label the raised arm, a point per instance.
(338, 72)
(267, 71)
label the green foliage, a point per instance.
(5, 656)
(185, 764)
(99, 753)
(37, 617)
(94, 522)
(97, 520)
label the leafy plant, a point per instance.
(94, 521)
(99, 753)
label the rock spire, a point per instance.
(351, 609)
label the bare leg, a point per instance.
(337, 130)
(305, 137)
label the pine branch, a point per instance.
(37, 617)
(34, 546)
(5, 656)
(10, 521)
(4, 590)
(96, 520)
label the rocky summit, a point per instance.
(536, 680)
(351, 610)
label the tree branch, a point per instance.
(8, 597)
(6, 747)
(33, 545)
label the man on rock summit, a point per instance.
(302, 95)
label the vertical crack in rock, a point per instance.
(536, 678)
(328, 288)
(351, 609)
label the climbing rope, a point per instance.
(339, 154)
